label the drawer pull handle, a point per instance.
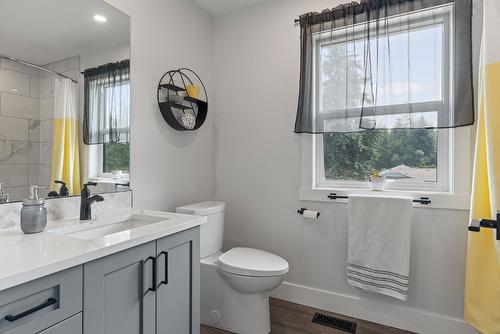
(12, 318)
(153, 283)
(165, 281)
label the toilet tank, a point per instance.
(211, 233)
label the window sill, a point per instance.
(440, 200)
(108, 180)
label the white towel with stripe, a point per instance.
(379, 244)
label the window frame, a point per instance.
(96, 152)
(445, 137)
(457, 198)
(100, 162)
(444, 170)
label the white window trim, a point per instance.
(95, 165)
(419, 19)
(101, 173)
(455, 147)
(443, 184)
(95, 162)
(457, 198)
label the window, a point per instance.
(116, 156)
(416, 159)
(106, 123)
(412, 159)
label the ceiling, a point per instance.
(221, 7)
(42, 32)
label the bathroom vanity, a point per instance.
(132, 272)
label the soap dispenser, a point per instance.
(4, 197)
(33, 213)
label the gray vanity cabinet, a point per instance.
(117, 298)
(150, 289)
(177, 297)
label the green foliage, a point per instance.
(354, 156)
(116, 157)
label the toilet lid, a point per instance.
(252, 262)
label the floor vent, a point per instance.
(326, 320)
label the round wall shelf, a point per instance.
(182, 99)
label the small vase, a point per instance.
(378, 182)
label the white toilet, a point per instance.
(235, 285)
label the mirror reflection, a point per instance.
(64, 97)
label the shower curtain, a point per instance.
(65, 148)
(482, 287)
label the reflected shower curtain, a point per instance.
(65, 148)
(482, 287)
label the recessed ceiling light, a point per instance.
(100, 18)
(14, 90)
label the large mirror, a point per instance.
(64, 97)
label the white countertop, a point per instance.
(25, 257)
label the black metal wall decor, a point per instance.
(183, 100)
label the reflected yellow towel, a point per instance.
(482, 287)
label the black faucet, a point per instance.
(86, 201)
(63, 191)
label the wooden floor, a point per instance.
(290, 318)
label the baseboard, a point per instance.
(406, 318)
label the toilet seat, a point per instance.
(252, 262)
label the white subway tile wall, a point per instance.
(26, 124)
(65, 208)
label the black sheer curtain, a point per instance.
(106, 114)
(386, 64)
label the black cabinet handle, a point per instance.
(12, 318)
(165, 281)
(153, 283)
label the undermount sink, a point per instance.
(98, 229)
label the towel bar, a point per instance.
(475, 225)
(422, 200)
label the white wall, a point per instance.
(111, 55)
(168, 168)
(252, 60)
(256, 62)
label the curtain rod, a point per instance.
(22, 62)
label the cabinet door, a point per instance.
(72, 325)
(178, 294)
(117, 293)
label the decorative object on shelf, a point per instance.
(189, 121)
(377, 180)
(182, 99)
(116, 174)
(193, 91)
